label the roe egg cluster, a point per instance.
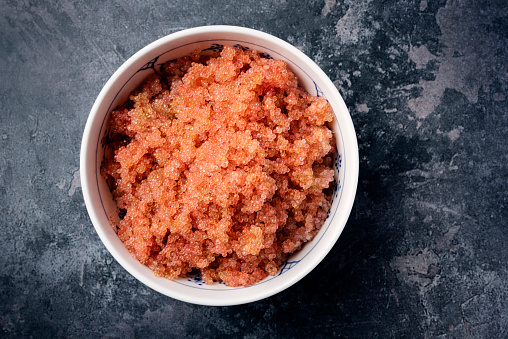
(222, 166)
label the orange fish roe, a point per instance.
(222, 166)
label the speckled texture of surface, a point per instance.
(425, 252)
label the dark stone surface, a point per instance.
(425, 252)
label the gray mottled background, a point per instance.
(424, 254)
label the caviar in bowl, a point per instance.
(102, 207)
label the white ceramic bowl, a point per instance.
(130, 75)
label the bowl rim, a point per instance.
(348, 192)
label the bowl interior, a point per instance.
(102, 207)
